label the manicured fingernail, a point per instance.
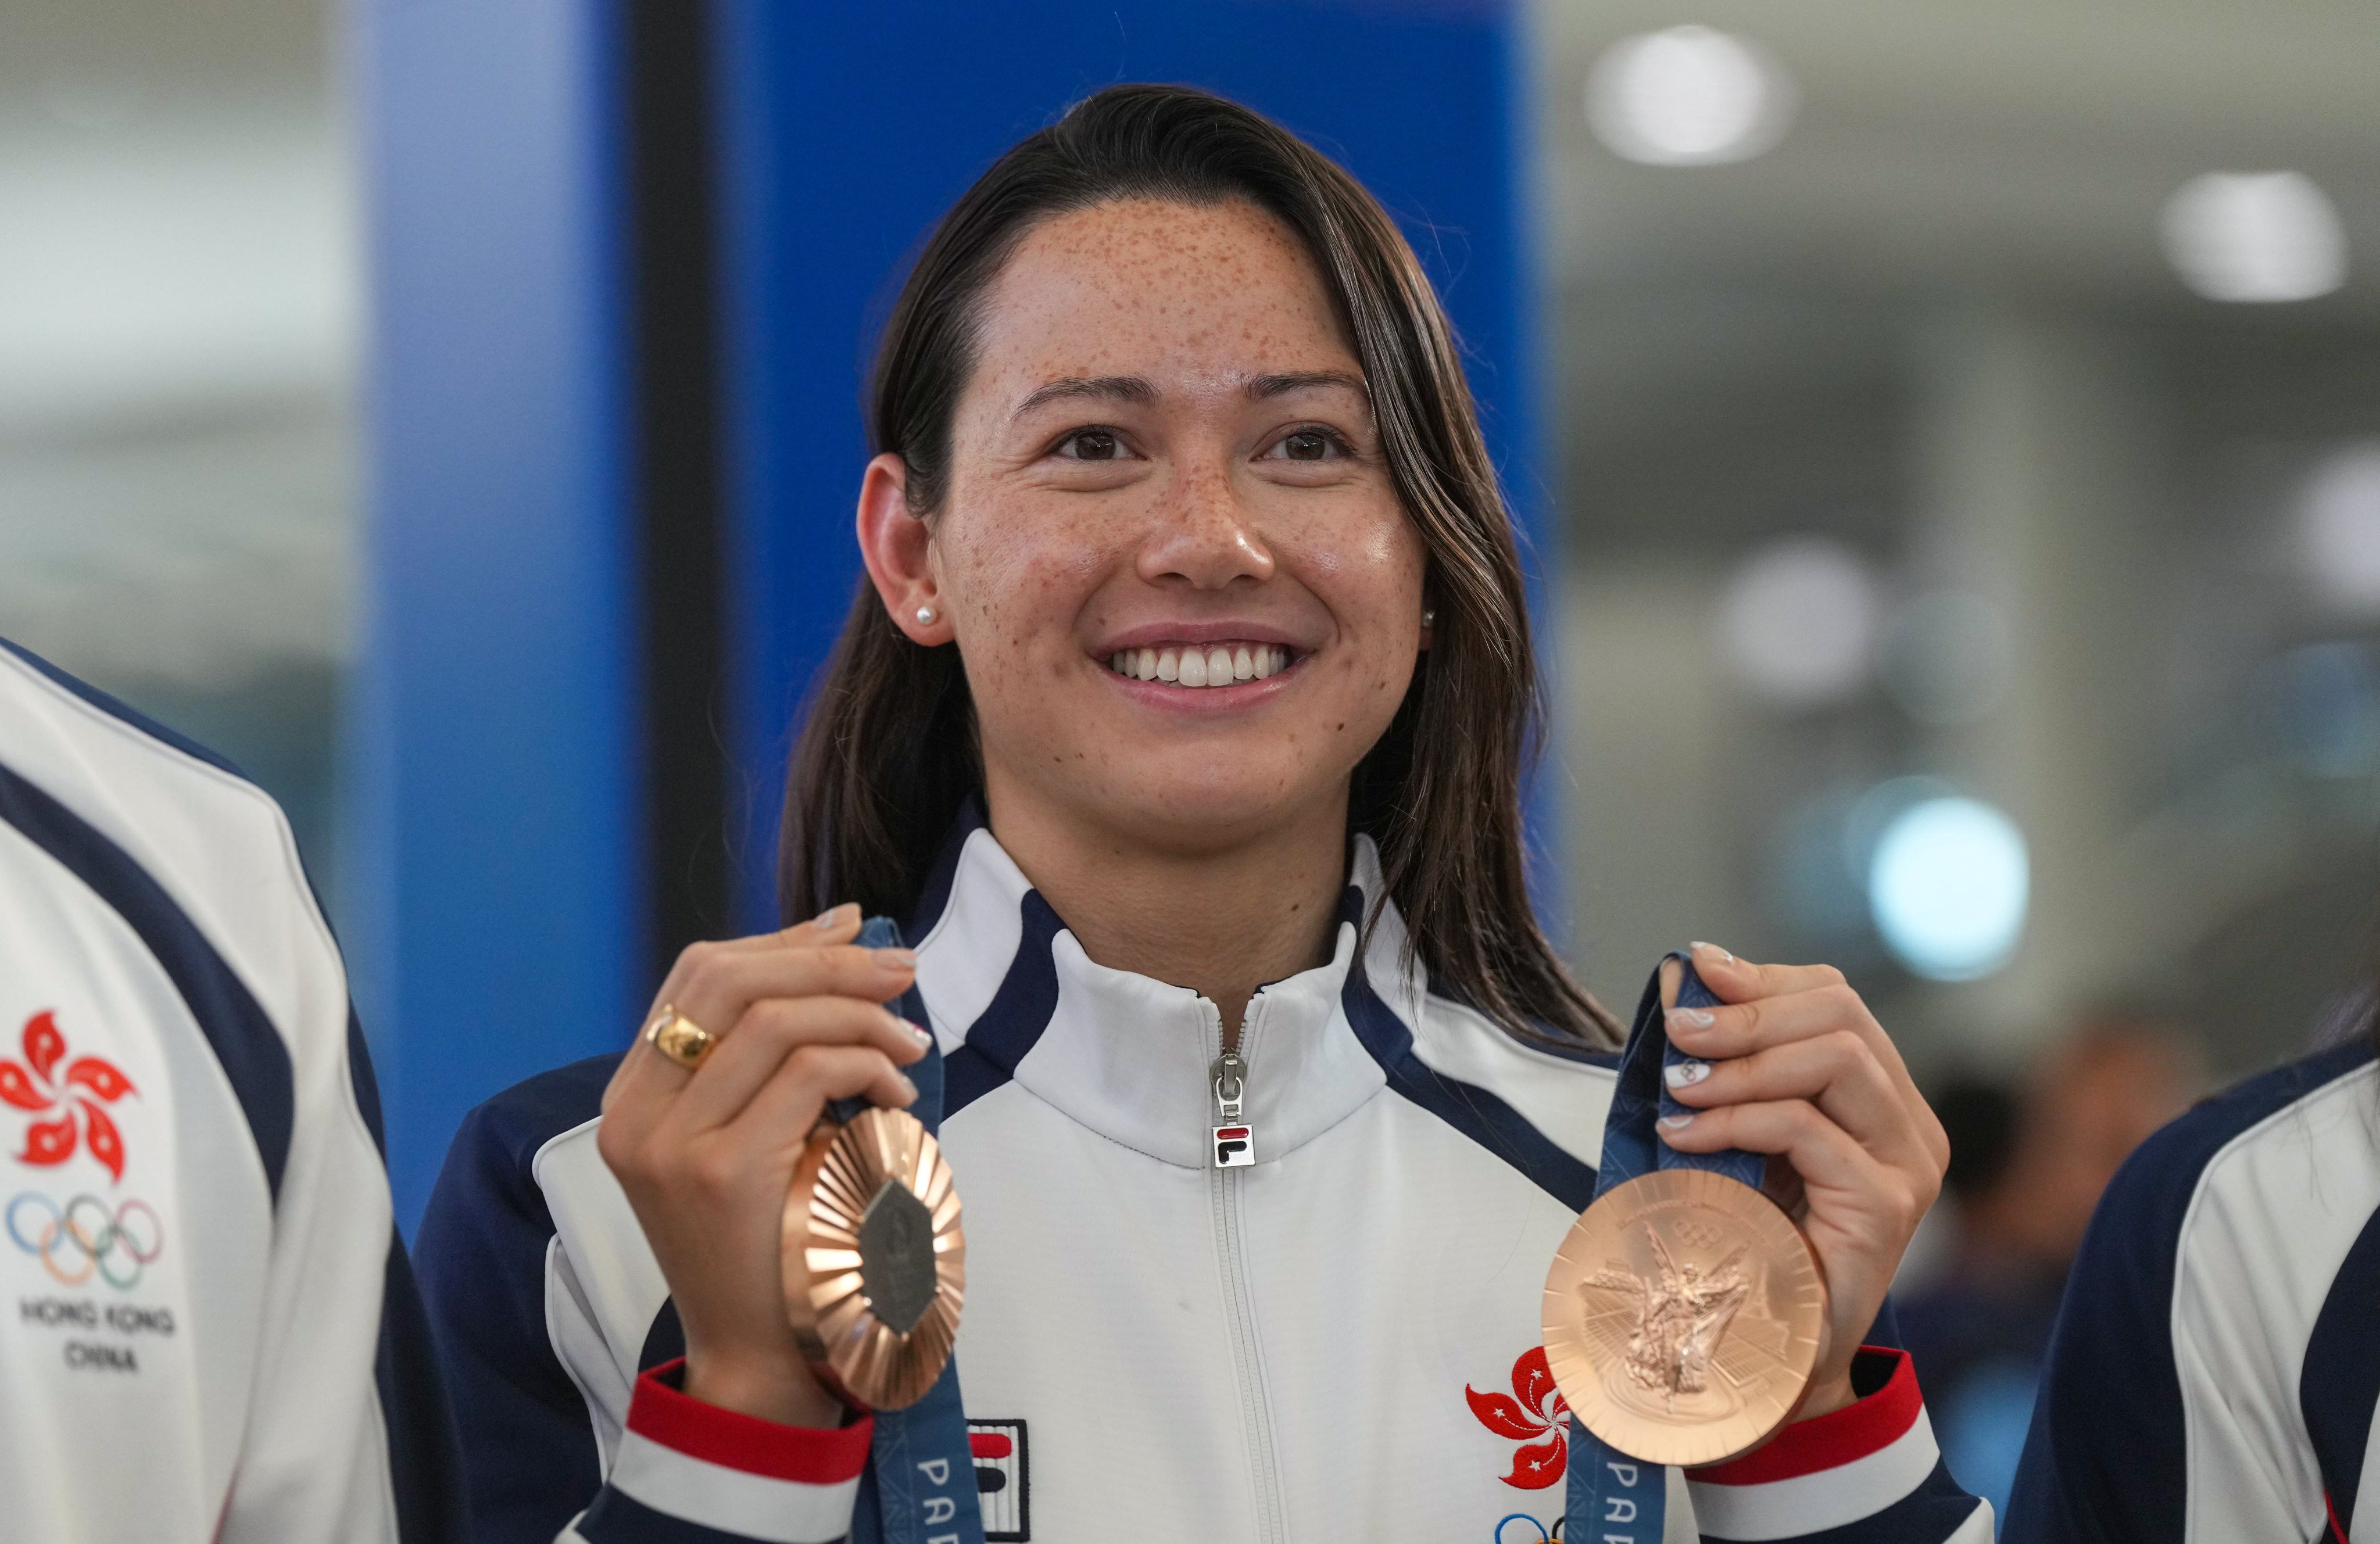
(917, 1032)
(1684, 1074)
(897, 959)
(1690, 1018)
(1677, 1123)
(908, 1089)
(1699, 946)
(827, 920)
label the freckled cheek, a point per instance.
(1030, 580)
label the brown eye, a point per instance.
(1306, 445)
(1091, 445)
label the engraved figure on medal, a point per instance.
(1682, 1317)
(1664, 1323)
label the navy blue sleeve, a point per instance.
(2106, 1457)
(530, 1457)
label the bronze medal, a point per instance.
(874, 1263)
(1683, 1318)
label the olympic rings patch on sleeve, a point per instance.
(86, 1237)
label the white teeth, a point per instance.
(1218, 665)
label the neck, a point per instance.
(1221, 920)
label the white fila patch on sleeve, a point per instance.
(1000, 1480)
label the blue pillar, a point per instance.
(847, 129)
(494, 918)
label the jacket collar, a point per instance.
(1014, 998)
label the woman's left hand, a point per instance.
(1800, 1070)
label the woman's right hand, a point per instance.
(706, 1157)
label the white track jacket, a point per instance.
(1338, 1342)
(206, 1330)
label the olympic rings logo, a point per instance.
(85, 1238)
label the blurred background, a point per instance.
(1948, 439)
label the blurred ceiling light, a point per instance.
(2338, 529)
(1688, 96)
(2255, 236)
(1797, 622)
(1947, 657)
(1947, 888)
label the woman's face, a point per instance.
(1187, 598)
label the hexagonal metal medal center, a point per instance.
(896, 1257)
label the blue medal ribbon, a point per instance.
(919, 1484)
(1613, 1498)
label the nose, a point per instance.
(1203, 535)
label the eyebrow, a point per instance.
(1263, 386)
(1136, 389)
(1113, 388)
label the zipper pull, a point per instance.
(1234, 1142)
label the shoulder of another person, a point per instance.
(2246, 1169)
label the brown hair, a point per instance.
(888, 755)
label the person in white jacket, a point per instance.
(208, 1331)
(1181, 726)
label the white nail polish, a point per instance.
(1677, 1123)
(1684, 1074)
(1193, 668)
(1692, 1019)
(917, 1032)
(1168, 665)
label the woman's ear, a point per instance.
(898, 551)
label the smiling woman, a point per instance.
(1308, 371)
(1181, 722)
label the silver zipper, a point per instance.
(1229, 1088)
(1235, 1142)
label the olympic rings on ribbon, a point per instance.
(91, 1238)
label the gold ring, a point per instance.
(679, 1037)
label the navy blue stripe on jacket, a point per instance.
(243, 1039)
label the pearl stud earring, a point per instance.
(925, 617)
(1429, 616)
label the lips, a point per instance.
(1201, 664)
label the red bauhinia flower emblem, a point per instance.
(38, 1086)
(1534, 1414)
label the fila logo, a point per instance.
(999, 1479)
(1233, 1149)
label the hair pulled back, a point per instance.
(888, 753)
